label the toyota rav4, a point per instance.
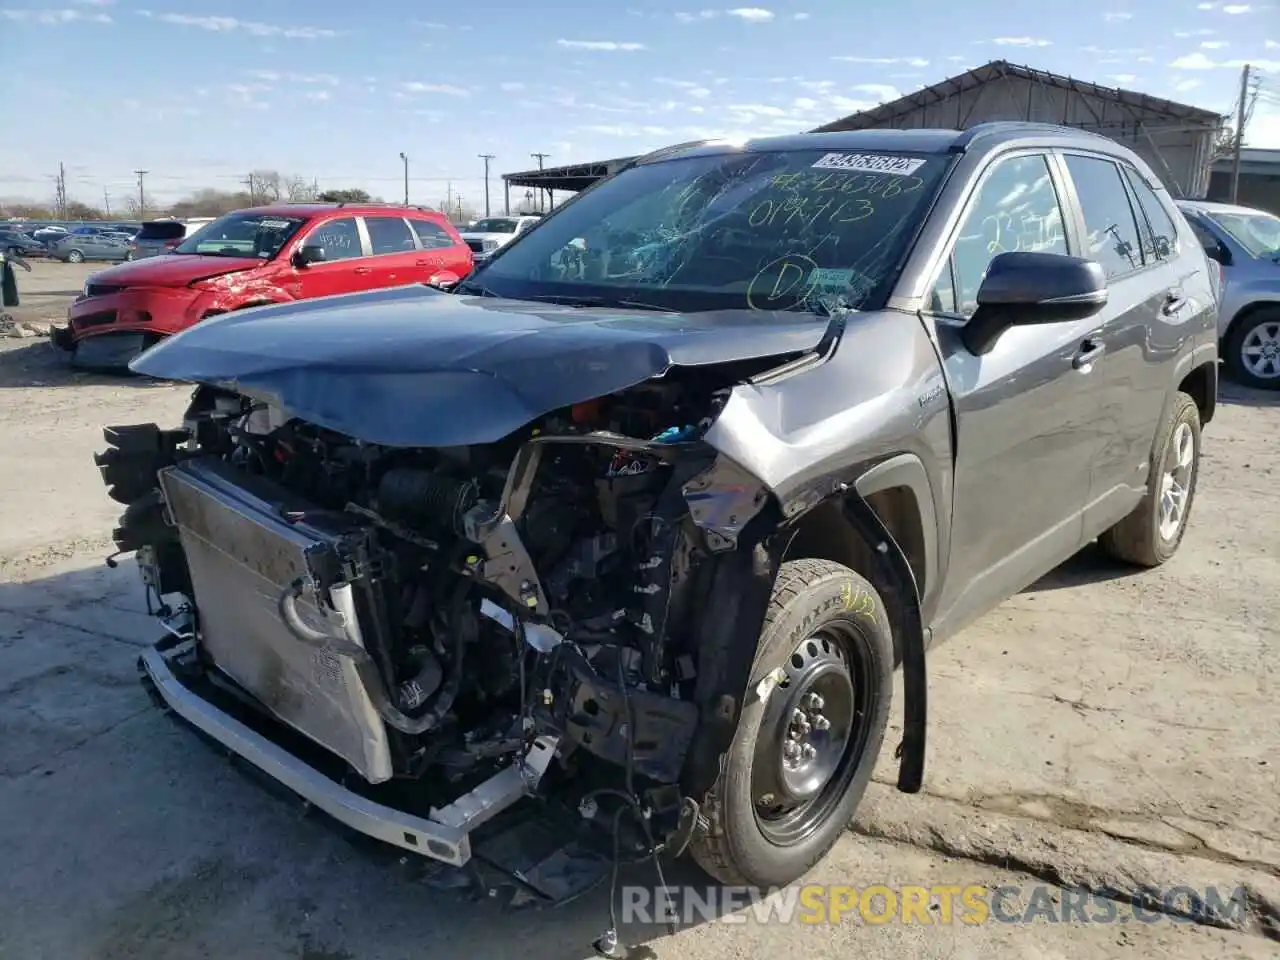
(613, 550)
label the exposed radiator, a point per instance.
(242, 555)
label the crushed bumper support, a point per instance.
(444, 837)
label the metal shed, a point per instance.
(1177, 140)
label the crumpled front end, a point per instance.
(442, 633)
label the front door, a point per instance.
(344, 254)
(1025, 412)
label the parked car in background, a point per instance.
(488, 234)
(47, 234)
(1246, 242)
(92, 243)
(272, 254)
(164, 236)
(20, 243)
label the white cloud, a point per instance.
(751, 14)
(1184, 34)
(1214, 44)
(1182, 86)
(800, 16)
(511, 86)
(318, 95)
(1117, 17)
(598, 45)
(1124, 78)
(94, 3)
(882, 92)
(430, 25)
(414, 86)
(1020, 42)
(805, 103)
(1198, 61)
(1273, 45)
(627, 131)
(1193, 61)
(251, 27)
(53, 18)
(909, 61)
(1237, 8)
(697, 16)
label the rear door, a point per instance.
(392, 250)
(1149, 296)
(344, 254)
(441, 251)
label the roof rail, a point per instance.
(989, 127)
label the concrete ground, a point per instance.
(1104, 730)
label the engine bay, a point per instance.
(538, 587)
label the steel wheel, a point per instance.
(812, 736)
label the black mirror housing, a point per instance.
(307, 255)
(1024, 288)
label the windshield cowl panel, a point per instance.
(793, 230)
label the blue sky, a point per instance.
(199, 94)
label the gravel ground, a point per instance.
(1102, 730)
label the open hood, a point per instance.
(413, 366)
(176, 270)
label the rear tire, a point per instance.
(75, 256)
(1252, 349)
(816, 736)
(1151, 534)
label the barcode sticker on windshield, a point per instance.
(871, 163)
(273, 224)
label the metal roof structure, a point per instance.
(572, 177)
(1133, 106)
(1141, 104)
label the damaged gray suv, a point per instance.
(613, 551)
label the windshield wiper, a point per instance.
(467, 286)
(571, 300)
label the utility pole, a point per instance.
(541, 157)
(1240, 122)
(249, 182)
(448, 196)
(405, 160)
(486, 157)
(459, 200)
(60, 192)
(106, 203)
(142, 197)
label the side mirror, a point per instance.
(1219, 253)
(307, 255)
(1033, 288)
(444, 281)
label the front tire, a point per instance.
(1252, 349)
(802, 757)
(1151, 534)
(75, 256)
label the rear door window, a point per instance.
(1111, 229)
(431, 235)
(1159, 235)
(389, 235)
(169, 230)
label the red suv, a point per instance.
(258, 256)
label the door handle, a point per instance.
(363, 270)
(1089, 351)
(422, 263)
(1172, 304)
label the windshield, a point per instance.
(494, 225)
(259, 235)
(1258, 233)
(783, 230)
